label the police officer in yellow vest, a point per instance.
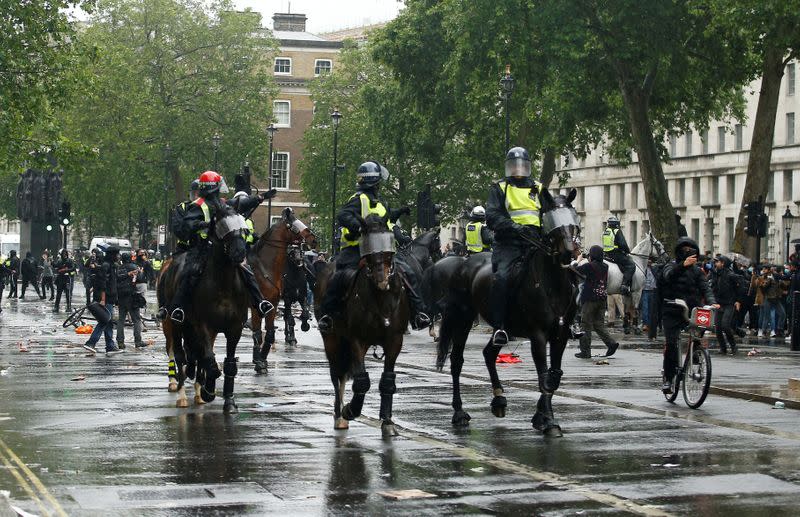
(512, 212)
(616, 250)
(478, 236)
(245, 204)
(183, 235)
(364, 202)
(197, 220)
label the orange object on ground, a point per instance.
(84, 329)
(508, 358)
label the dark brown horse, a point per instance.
(268, 259)
(219, 305)
(542, 310)
(376, 314)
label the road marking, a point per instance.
(23, 483)
(33, 479)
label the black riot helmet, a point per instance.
(518, 163)
(369, 174)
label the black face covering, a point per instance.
(685, 252)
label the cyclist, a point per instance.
(680, 279)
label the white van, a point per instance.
(8, 242)
(124, 245)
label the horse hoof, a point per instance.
(230, 407)
(637, 331)
(260, 366)
(499, 405)
(388, 430)
(461, 419)
(341, 424)
(173, 386)
(207, 396)
(182, 403)
(305, 327)
(538, 421)
(198, 400)
(349, 414)
(553, 431)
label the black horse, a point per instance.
(376, 313)
(542, 309)
(220, 302)
(294, 290)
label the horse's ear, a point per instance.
(571, 196)
(547, 199)
(288, 214)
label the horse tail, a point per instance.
(344, 363)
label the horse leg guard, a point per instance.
(230, 369)
(173, 384)
(361, 386)
(211, 373)
(387, 388)
(550, 380)
(543, 420)
(258, 341)
(499, 403)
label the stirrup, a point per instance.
(325, 323)
(177, 315)
(264, 307)
(500, 337)
(161, 314)
(421, 321)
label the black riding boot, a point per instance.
(420, 319)
(331, 301)
(249, 279)
(497, 310)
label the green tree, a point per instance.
(771, 29)
(168, 75)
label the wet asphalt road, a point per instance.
(114, 443)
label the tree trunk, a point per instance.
(548, 167)
(659, 206)
(758, 165)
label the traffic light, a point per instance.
(427, 211)
(756, 220)
(64, 213)
(437, 209)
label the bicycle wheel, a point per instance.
(675, 388)
(697, 377)
(75, 319)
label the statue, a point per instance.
(39, 195)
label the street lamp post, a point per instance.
(507, 87)
(271, 129)
(336, 118)
(787, 217)
(167, 154)
(215, 140)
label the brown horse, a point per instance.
(376, 313)
(268, 259)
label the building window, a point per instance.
(787, 185)
(729, 230)
(790, 79)
(721, 139)
(645, 227)
(634, 195)
(283, 66)
(731, 188)
(771, 186)
(282, 113)
(322, 66)
(606, 197)
(280, 171)
(634, 232)
(695, 231)
(789, 128)
(579, 202)
(620, 201)
(275, 219)
(715, 181)
(673, 146)
(682, 192)
(689, 143)
(737, 145)
(704, 140)
(696, 191)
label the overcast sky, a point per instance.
(327, 15)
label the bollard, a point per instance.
(796, 321)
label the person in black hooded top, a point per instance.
(681, 279)
(593, 304)
(725, 286)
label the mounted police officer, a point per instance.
(478, 236)
(512, 212)
(616, 250)
(245, 205)
(197, 220)
(364, 202)
(183, 235)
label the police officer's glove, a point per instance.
(269, 194)
(527, 233)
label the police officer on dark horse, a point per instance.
(364, 202)
(195, 223)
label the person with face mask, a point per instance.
(680, 279)
(64, 268)
(593, 304)
(725, 287)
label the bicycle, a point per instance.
(694, 376)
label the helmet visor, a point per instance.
(560, 217)
(228, 224)
(223, 187)
(518, 168)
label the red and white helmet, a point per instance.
(210, 183)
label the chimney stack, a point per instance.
(289, 22)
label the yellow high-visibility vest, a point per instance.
(609, 236)
(203, 233)
(522, 206)
(366, 209)
(156, 265)
(474, 240)
(250, 237)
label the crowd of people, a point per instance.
(109, 277)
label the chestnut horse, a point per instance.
(268, 259)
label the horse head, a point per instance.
(229, 230)
(377, 250)
(561, 225)
(299, 230)
(427, 248)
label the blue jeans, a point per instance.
(778, 315)
(106, 329)
(646, 307)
